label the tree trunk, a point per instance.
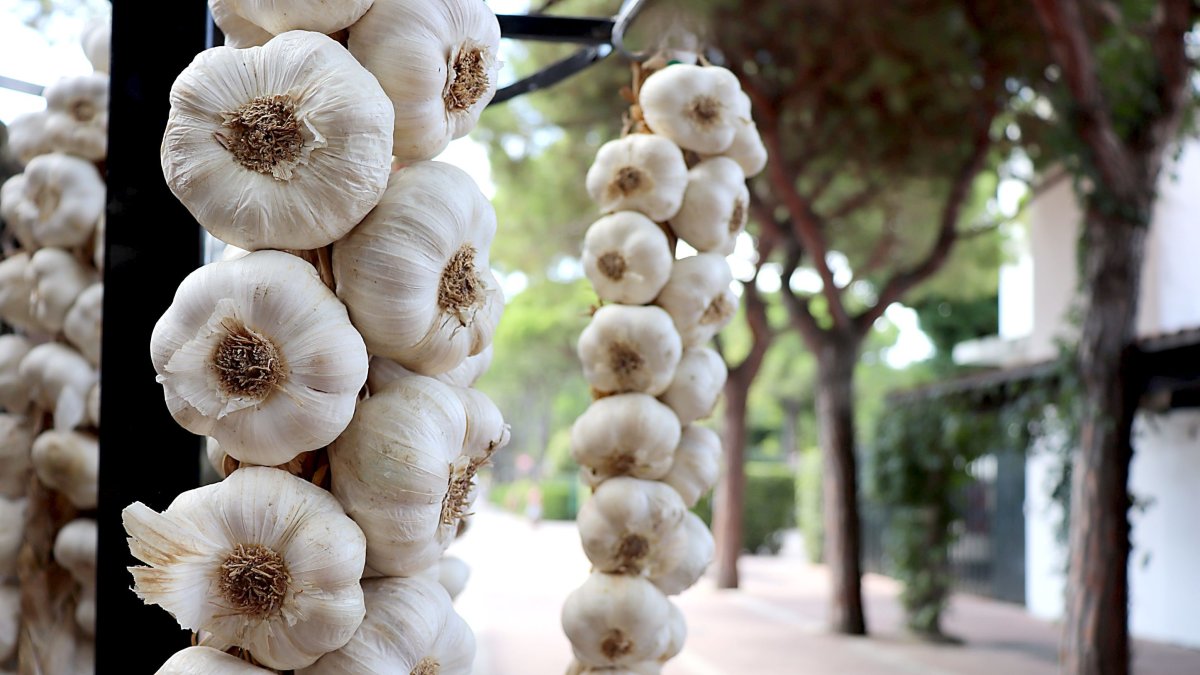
(835, 431)
(1095, 632)
(727, 508)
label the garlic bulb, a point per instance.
(16, 441)
(715, 206)
(96, 41)
(57, 279)
(14, 391)
(415, 275)
(98, 244)
(85, 611)
(678, 626)
(290, 158)
(82, 324)
(627, 258)
(697, 107)
(486, 430)
(58, 201)
(698, 382)
(59, 380)
(629, 348)
(437, 61)
(239, 32)
(10, 621)
(16, 293)
(259, 354)
(14, 209)
(385, 371)
(27, 136)
(626, 526)
(698, 298)
(692, 550)
(323, 16)
(626, 434)
(400, 471)
(696, 465)
(641, 172)
(93, 404)
(77, 120)
(747, 148)
(12, 532)
(207, 661)
(617, 620)
(410, 628)
(452, 575)
(68, 462)
(262, 560)
(75, 550)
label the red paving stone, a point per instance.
(773, 625)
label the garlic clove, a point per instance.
(640, 172)
(82, 324)
(59, 379)
(696, 464)
(12, 533)
(698, 298)
(627, 258)
(259, 354)
(692, 548)
(486, 430)
(747, 148)
(617, 620)
(207, 661)
(715, 206)
(697, 384)
(60, 200)
(16, 441)
(415, 274)
(292, 158)
(77, 115)
(239, 32)
(626, 434)
(96, 41)
(629, 526)
(697, 107)
(437, 61)
(262, 560)
(629, 349)
(452, 575)
(68, 462)
(322, 16)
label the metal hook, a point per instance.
(628, 12)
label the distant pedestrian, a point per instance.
(533, 505)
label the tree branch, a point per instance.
(1174, 69)
(799, 314)
(854, 202)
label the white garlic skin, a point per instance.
(697, 384)
(696, 465)
(77, 115)
(85, 611)
(627, 258)
(747, 148)
(640, 172)
(693, 548)
(698, 298)
(96, 41)
(27, 135)
(12, 533)
(57, 280)
(14, 391)
(10, 621)
(643, 668)
(697, 107)
(69, 462)
(59, 380)
(628, 526)
(58, 204)
(453, 574)
(332, 162)
(419, 50)
(207, 661)
(16, 293)
(239, 32)
(322, 16)
(625, 434)
(75, 550)
(385, 371)
(93, 405)
(16, 441)
(715, 206)
(629, 349)
(82, 324)
(415, 274)
(486, 429)
(678, 627)
(617, 620)
(18, 210)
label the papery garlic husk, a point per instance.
(77, 120)
(322, 16)
(627, 258)
(259, 354)
(93, 404)
(715, 206)
(626, 434)
(14, 391)
(747, 148)
(59, 200)
(27, 135)
(98, 245)
(437, 61)
(385, 371)
(82, 324)
(698, 298)
(239, 32)
(57, 278)
(96, 41)
(10, 621)
(16, 441)
(643, 668)
(629, 349)
(640, 172)
(617, 620)
(693, 548)
(415, 275)
(291, 158)
(216, 457)
(68, 462)
(678, 626)
(628, 527)
(697, 385)
(453, 574)
(697, 107)
(696, 465)
(410, 628)
(75, 550)
(400, 471)
(262, 560)
(16, 293)
(59, 380)
(207, 661)
(12, 533)
(486, 430)
(14, 210)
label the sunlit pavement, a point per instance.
(773, 625)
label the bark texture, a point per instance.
(727, 514)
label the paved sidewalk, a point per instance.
(772, 626)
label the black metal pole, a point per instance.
(152, 243)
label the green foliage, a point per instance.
(808, 504)
(948, 322)
(560, 496)
(768, 506)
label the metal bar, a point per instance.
(21, 86)
(152, 243)
(553, 74)
(587, 31)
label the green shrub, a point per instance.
(768, 506)
(560, 496)
(809, 516)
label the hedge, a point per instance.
(769, 506)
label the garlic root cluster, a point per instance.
(679, 176)
(329, 355)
